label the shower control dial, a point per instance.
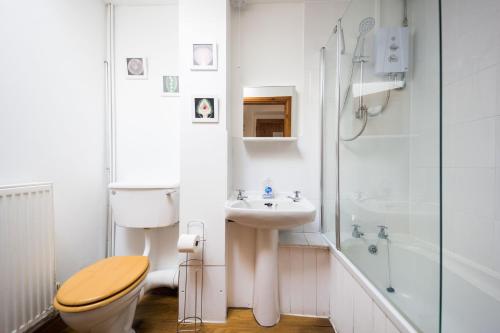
(394, 47)
(393, 58)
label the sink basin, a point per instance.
(268, 216)
(278, 213)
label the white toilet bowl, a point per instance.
(102, 297)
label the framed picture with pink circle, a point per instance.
(204, 57)
(205, 109)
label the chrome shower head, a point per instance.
(366, 25)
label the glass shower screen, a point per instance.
(382, 89)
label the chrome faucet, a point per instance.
(355, 231)
(295, 198)
(382, 234)
(241, 195)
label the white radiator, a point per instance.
(26, 255)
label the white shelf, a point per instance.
(269, 139)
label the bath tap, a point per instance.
(355, 231)
(295, 198)
(241, 195)
(382, 234)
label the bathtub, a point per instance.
(471, 294)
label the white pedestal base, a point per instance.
(266, 307)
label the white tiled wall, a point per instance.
(423, 82)
(351, 308)
(471, 130)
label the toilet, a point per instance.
(103, 297)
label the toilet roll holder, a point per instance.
(192, 323)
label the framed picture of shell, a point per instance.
(137, 68)
(204, 57)
(205, 109)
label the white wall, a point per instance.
(471, 160)
(471, 131)
(283, 54)
(148, 132)
(424, 123)
(147, 124)
(271, 54)
(52, 117)
(204, 146)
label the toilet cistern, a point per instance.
(147, 207)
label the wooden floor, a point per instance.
(157, 313)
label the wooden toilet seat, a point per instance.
(101, 283)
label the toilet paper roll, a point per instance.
(188, 243)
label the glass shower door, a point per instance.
(389, 151)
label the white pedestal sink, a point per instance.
(268, 216)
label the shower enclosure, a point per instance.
(409, 177)
(381, 150)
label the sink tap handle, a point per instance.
(382, 234)
(296, 197)
(241, 194)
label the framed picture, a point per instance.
(205, 109)
(137, 68)
(170, 85)
(204, 57)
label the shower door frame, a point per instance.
(337, 28)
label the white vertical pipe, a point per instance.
(322, 132)
(147, 242)
(111, 119)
